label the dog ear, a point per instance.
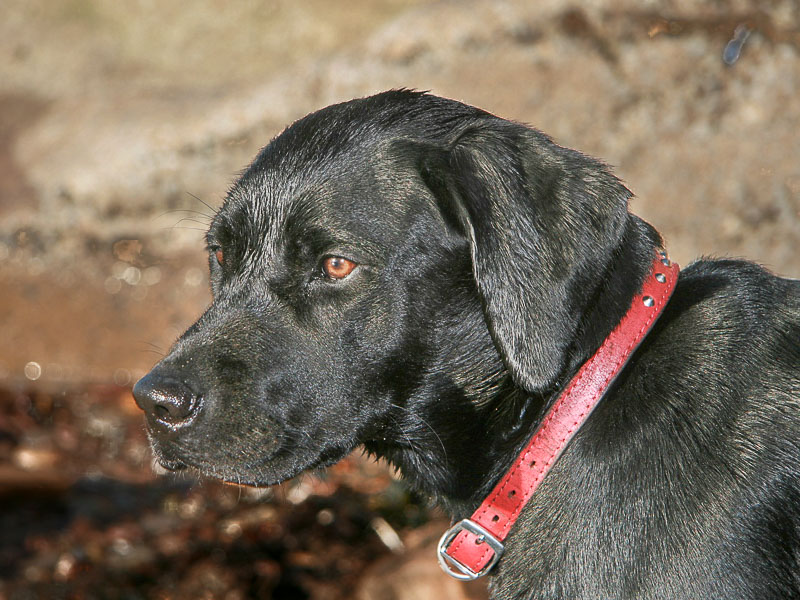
(542, 222)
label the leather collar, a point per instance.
(471, 547)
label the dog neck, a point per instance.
(472, 546)
(456, 447)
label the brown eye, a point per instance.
(220, 256)
(336, 267)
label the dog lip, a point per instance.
(169, 465)
(162, 463)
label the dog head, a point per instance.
(395, 258)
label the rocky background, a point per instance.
(122, 124)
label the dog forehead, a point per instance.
(360, 194)
(250, 211)
(335, 167)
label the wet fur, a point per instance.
(492, 264)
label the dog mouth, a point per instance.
(243, 461)
(243, 475)
(161, 462)
(169, 465)
(163, 467)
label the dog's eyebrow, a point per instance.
(308, 214)
(317, 232)
(301, 212)
(211, 236)
(218, 231)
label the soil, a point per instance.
(84, 516)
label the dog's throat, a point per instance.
(471, 547)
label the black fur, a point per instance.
(491, 265)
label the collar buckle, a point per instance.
(455, 568)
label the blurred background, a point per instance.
(122, 125)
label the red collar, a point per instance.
(471, 547)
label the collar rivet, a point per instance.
(573, 407)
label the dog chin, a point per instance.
(271, 470)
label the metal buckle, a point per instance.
(453, 567)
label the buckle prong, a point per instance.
(456, 569)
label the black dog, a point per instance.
(421, 278)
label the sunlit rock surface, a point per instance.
(123, 124)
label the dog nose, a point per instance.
(165, 399)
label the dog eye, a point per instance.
(336, 267)
(219, 255)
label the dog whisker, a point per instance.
(204, 203)
(191, 220)
(426, 424)
(195, 213)
(203, 230)
(488, 265)
(411, 443)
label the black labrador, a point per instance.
(421, 278)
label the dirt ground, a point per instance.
(123, 124)
(84, 516)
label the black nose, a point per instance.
(165, 399)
